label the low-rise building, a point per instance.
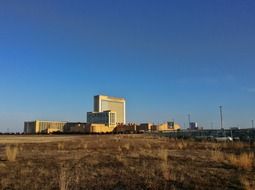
(75, 127)
(168, 126)
(129, 128)
(99, 128)
(37, 126)
(193, 126)
(144, 127)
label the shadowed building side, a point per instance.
(106, 117)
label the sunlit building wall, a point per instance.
(37, 126)
(118, 105)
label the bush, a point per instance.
(11, 153)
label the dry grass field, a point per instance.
(122, 162)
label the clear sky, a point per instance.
(167, 58)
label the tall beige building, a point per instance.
(105, 103)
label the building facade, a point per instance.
(37, 126)
(144, 127)
(106, 117)
(193, 125)
(118, 105)
(75, 127)
(168, 126)
(99, 128)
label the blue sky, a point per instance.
(167, 58)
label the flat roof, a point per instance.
(44, 121)
(109, 97)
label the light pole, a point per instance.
(189, 120)
(252, 124)
(221, 118)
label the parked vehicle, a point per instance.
(223, 139)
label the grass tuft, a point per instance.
(243, 161)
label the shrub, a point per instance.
(163, 154)
(126, 146)
(119, 149)
(64, 178)
(61, 146)
(11, 153)
(182, 145)
(85, 146)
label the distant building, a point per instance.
(129, 128)
(37, 126)
(99, 128)
(75, 127)
(193, 125)
(106, 117)
(105, 103)
(168, 126)
(144, 127)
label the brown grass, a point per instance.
(126, 162)
(218, 156)
(248, 184)
(243, 161)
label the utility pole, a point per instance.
(252, 124)
(189, 120)
(221, 119)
